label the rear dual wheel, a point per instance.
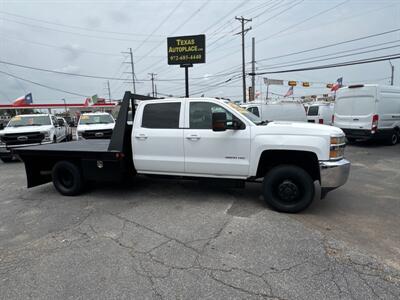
(288, 188)
(67, 178)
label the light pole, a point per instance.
(65, 106)
(392, 75)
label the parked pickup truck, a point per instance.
(200, 138)
(98, 125)
(25, 130)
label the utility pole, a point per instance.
(243, 32)
(253, 69)
(155, 88)
(152, 83)
(109, 91)
(132, 69)
(392, 76)
(65, 105)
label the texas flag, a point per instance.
(337, 85)
(24, 100)
(289, 92)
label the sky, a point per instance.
(92, 37)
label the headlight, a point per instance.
(338, 143)
(80, 133)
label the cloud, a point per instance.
(72, 51)
(119, 16)
(92, 22)
(69, 69)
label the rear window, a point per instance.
(161, 115)
(313, 111)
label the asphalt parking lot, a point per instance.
(168, 239)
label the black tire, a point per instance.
(54, 139)
(394, 138)
(288, 188)
(67, 178)
(6, 159)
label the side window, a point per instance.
(161, 115)
(254, 111)
(200, 115)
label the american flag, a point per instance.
(289, 92)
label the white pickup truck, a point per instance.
(34, 129)
(200, 138)
(98, 125)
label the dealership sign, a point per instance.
(186, 50)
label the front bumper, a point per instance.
(334, 173)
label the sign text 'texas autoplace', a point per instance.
(187, 50)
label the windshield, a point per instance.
(252, 117)
(95, 119)
(19, 121)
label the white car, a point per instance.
(26, 130)
(97, 125)
(369, 111)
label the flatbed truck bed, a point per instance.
(95, 160)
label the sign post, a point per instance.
(186, 51)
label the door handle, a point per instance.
(193, 137)
(356, 119)
(141, 136)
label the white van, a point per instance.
(320, 112)
(280, 110)
(368, 111)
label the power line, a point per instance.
(43, 85)
(173, 32)
(72, 26)
(308, 61)
(342, 64)
(332, 45)
(58, 72)
(159, 25)
(73, 33)
(305, 20)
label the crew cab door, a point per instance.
(207, 152)
(157, 138)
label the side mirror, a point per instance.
(60, 122)
(219, 121)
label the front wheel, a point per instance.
(67, 178)
(288, 188)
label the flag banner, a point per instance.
(91, 100)
(337, 85)
(24, 100)
(289, 92)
